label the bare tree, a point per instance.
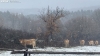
(50, 17)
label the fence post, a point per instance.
(25, 52)
(29, 54)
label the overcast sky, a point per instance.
(66, 4)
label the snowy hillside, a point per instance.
(73, 49)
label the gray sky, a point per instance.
(66, 4)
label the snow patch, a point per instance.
(72, 49)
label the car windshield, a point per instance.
(49, 27)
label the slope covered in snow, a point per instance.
(72, 49)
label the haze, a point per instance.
(66, 4)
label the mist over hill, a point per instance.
(26, 11)
(86, 8)
(33, 11)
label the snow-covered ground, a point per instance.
(72, 49)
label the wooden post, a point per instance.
(25, 52)
(29, 54)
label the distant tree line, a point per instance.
(52, 26)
